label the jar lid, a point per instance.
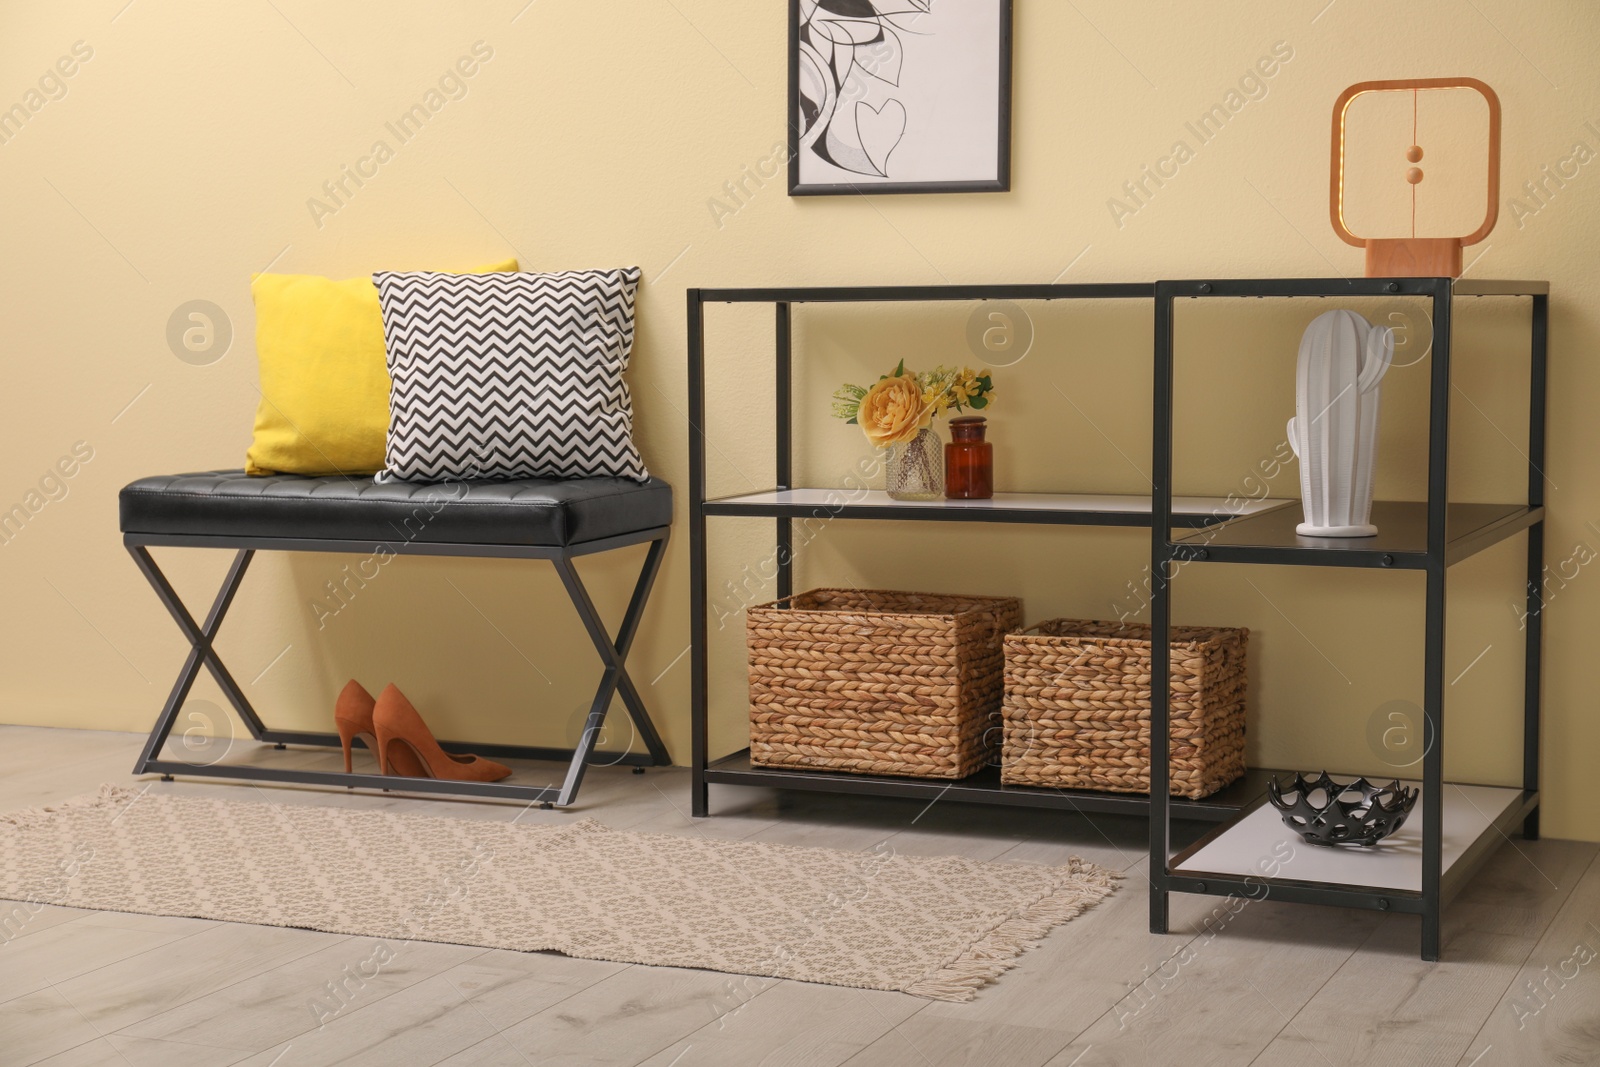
(967, 428)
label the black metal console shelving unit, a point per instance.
(1460, 825)
(1429, 536)
(785, 504)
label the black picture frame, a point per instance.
(1000, 184)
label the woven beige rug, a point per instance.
(938, 928)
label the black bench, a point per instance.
(535, 518)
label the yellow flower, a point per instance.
(893, 411)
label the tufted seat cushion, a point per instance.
(530, 511)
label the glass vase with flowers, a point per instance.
(897, 412)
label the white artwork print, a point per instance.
(899, 91)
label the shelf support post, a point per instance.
(1533, 658)
(1433, 683)
(1161, 614)
(785, 451)
(699, 710)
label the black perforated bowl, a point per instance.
(1326, 812)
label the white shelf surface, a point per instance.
(1257, 844)
(1085, 502)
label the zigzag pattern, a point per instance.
(509, 375)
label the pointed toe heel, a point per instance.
(410, 750)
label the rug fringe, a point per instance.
(109, 794)
(986, 959)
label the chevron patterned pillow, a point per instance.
(514, 375)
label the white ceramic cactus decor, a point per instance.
(1334, 433)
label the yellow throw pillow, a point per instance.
(324, 383)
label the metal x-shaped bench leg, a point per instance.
(614, 682)
(201, 651)
(615, 679)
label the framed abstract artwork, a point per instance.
(899, 96)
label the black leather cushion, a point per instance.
(532, 511)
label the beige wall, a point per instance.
(184, 152)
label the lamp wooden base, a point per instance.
(1414, 257)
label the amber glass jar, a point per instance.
(968, 461)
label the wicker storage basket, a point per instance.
(875, 682)
(1077, 707)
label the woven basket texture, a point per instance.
(1077, 707)
(872, 681)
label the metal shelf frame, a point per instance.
(735, 769)
(1440, 543)
(1438, 552)
(985, 787)
(1030, 508)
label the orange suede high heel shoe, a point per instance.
(352, 716)
(408, 748)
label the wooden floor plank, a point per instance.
(145, 985)
(303, 995)
(69, 950)
(115, 1051)
(19, 918)
(792, 1023)
(40, 787)
(931, 1041)
(1551, 1011)
(630, 1016)
(33, 750)
(508, 987)
(1228, 992)
(493, 1051)
(125, 920)
(1386, 1005)
(40, 1025)
(416, 1027)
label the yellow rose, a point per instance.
(892, 411)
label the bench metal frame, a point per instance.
(613, 652)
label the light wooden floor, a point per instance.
(1271, 984)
